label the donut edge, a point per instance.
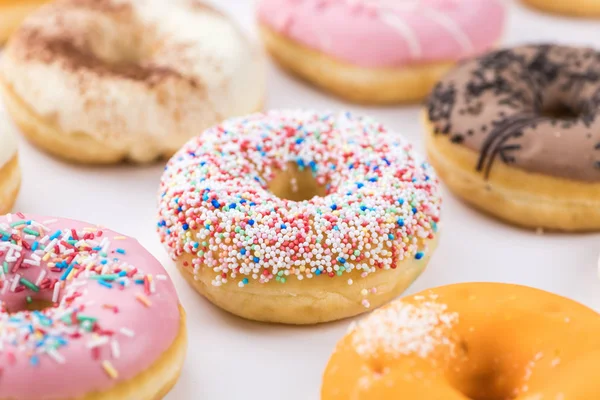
(529, 200)
(158, 379)
(406, 84)
(10, 184)
(77, 147)
(575, 8)
(308, 302)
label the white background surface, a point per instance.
(230, 358)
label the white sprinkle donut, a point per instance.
(299, 217)
(102, 81)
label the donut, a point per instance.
(469, 341)
(85, 313)
(377, 51)
(299, 217)
(577, 8)
(10, 173)
(12, 13)
(99, 82)
(516, 133)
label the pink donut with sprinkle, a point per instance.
(378, 51)
(299, 217)
(85, 313)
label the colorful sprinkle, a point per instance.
(110, 370)
(38, 262)
(381, 203)
(143, 299)
(29, 285)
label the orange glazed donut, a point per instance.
(479, 341)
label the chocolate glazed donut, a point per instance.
(517, 133)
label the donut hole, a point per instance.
(101, 41)
(560, 110)
(295, 184)
(485, 386)
(38, 305)
(28, 304)
(480, 374)
(120, 47)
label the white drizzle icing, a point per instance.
(389, 12)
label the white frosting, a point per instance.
(8, 139)
(143, 119)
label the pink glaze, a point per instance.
(155, 327)
(388, 33)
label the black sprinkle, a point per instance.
(517, 83)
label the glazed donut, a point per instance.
(10, 173)
(100, 82)
(578, 8)
(299, 217)
(12, 13)
(86, 313)
(377, 51)
(470, 341)
(516, 133)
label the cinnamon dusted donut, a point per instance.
(103, 81)
(299, 217)
(470, 341)
(10, 172)
(378, 51)
(516, 133)
(12, 13)
(578, 8)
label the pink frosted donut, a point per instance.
(376, 35)
(86, 313)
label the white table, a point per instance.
(230, 358)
